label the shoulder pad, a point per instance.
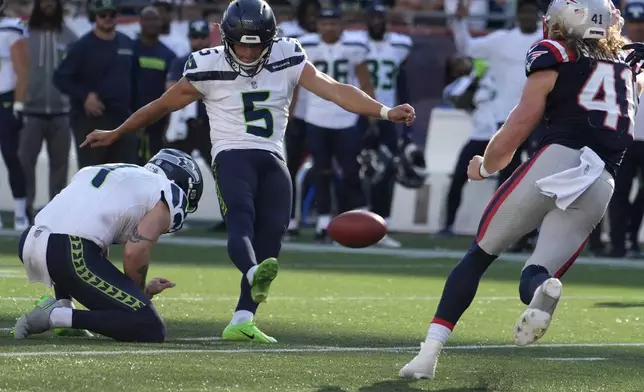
(400, 40)
(289, 46)
(547, 54)
(310, 39)
(200, 66)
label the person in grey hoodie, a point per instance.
(46, 112)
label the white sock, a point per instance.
(438, 332)
(323, 222)
(67, 303)
(241, 316)
(251, 274)
(20, 208)
(61, 318)
(293, 224)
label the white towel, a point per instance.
(34, 255)
(177, 127)
(569, 184)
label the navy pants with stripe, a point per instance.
(10, 128)
(254, 191)
(117, 308)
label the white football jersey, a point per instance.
(247, 113)
(11, 30)
(292, 29)
(384, 60)
(338, 60)
(105, 203)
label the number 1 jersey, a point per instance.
(105, 203)
(593, 102)
(247, 112)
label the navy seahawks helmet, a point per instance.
(249, 23)
(181, 169)
(375, 163)
(411, 169)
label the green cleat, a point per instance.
(246, 332)
(264, 275)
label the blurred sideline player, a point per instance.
(588, 93)
(67, 246)
(13, 89)
(295, 139)
(331, 130)
(193, 131)
(504, 51)
(626, 217)
(247, 85)
(388, 52)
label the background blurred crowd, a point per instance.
(79, 81)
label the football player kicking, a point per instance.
(247, 85)
(579, 80)
(67, 246)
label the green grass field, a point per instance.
(344, 322)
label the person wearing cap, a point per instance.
(97, 76)
(152, 61)
(195, 130)
(626, 217)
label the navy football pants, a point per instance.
(344, 145)
(117, 307)
(10, 129)
(254, 192)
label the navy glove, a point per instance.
(636, 55)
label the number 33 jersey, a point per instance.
(105, 203)
(244, 112)
(593, 102)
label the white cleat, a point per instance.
(424, 364)
(534, 322)
(388, 242)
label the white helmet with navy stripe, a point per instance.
(582, 19)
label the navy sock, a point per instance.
(60, 293)
(531, 278)
(461, 285)
(143, 325)
(245, 301)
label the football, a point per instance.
(357, 229)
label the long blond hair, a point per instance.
(607, 48)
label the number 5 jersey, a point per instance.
(247, 112)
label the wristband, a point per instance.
(484, 173)
(384, 112)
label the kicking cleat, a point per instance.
(534, 322)
(36, 321)
(264, 275)
(246, 332)
(424, 364)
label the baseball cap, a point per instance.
(198, 29)
(634, 12)
(330, 13)
(103, 5)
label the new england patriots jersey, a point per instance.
(384, 60)
(105, 203)
(11, 30)
(247, 113)
(338, 60)
(593, 102)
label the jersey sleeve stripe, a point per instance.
(359, 44)
(556, 49)
(211, 75)
(13, 29)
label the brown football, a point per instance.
(357, 229)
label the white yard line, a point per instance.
(308, 349)
(573, 359)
